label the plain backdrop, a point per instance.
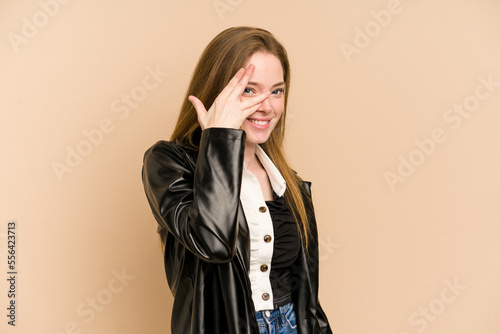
(393, 115)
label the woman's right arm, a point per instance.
(198, 204)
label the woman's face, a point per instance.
(267, 76)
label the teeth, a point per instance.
(258, 122)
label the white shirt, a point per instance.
(261, 231)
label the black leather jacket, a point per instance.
(195, 197)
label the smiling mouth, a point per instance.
(257, 122)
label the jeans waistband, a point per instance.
(269, 315)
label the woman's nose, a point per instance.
(265, 106)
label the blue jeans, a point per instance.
(277, 321)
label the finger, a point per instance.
(242, 84)
(198, 106)
(233, 82)
(252, 109)
(254, 100)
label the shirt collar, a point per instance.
(277, 181)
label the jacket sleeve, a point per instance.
(322, 325)
(198, 201)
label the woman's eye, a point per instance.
(247, 90)
(278, 91)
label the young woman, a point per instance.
(236, 222)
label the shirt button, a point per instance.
(263, 268)
(267, 238)
(262, 209)
(265, 296)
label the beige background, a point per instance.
(387, 252)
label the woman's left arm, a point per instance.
(322, 324)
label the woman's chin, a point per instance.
(256, 138)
